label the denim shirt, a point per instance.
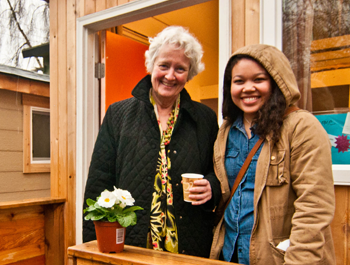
(239, 215)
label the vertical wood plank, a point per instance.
(100, 5)
(111, 3)
(61, 185)
(55, 253)
(80, 7)
(90, 7)
(54, 96)
(340, 225)
(26, 138)
(346, 226)
(120, 2)
(238, 24)
(70, 221)
(252, 24)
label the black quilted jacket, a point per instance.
(126, 155)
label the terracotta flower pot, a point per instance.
(110, 236)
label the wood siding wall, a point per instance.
(15, 185)
(63, 15)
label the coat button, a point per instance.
(183, 251)
(175, 152)
(273, 158)
(177, 184)
(180, 217)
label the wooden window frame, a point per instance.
(37, 103)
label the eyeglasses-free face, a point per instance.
(250, 87)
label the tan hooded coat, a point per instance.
(294, 192)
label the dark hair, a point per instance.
(269, 117)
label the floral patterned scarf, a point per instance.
(163, 230)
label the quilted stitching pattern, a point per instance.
(126, 154)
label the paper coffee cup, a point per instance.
(187, 183)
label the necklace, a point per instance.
(249, 122)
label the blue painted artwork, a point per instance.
(338, 136)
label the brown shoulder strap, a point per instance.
(250, 157)
(244, 169)
(290, 110)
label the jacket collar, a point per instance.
(141, 92)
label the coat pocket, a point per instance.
(277, 254)
(277, 161)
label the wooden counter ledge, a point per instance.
(88, 253)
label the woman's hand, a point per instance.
(201, 192)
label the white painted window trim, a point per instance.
(225, 47)
(87, 85)
(271, 33)
(271, 22)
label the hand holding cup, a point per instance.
(196, 189)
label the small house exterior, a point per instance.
(320, 61)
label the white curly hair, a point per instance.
(181, 38)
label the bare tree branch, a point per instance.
(21, 30)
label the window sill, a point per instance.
(341, 174)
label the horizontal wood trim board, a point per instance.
(17, 214)
(23, 85)
(10, 100)
(39, 260)
(36, 101)
(323, 56)
(327, 66)
(22, 253)
(36, 168)
(28, 205)
(330, 78)
(330, 43)
(133, 256)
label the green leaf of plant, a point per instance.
(127, 219)
(112, 219)
(89, 216)
(97, 217)
(132, 209)
(90, 202)
(90, 208)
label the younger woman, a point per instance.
(281, 211)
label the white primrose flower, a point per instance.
(107, 199)
(124, 197)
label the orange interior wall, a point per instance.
(125, 66)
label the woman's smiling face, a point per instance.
(250, 86)
(170, 73)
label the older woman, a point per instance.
(146, 142)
